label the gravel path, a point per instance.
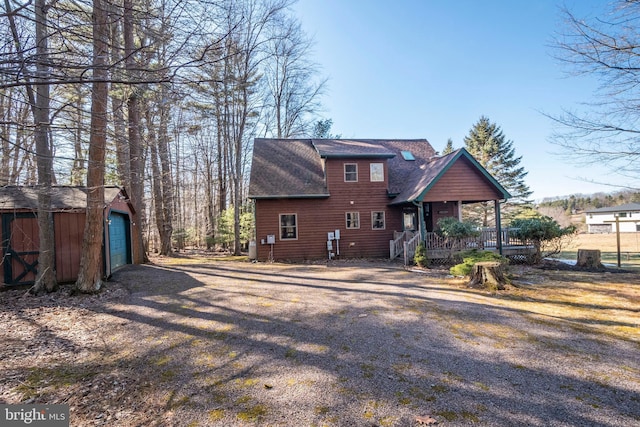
(368, 344)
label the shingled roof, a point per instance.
(418, 184)
(286, 168)
(622, 208)
(13, 197)
(292, 168)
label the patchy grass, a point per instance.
(607, 244)
(52, 379)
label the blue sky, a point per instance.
(430, 69)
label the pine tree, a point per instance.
(496, 154)
(448, 148)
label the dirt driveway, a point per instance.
(189, 342)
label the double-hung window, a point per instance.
(288, 226)
(376, 171)
(377, 220)
(352, 219)
(350, 172)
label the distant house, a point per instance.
(20, 240)
(603, 220)
(350, 198)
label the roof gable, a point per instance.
(435, 169)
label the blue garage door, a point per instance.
(119, 251)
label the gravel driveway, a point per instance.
(368, 344)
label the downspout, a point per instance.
(496, 204)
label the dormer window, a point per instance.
(350, 172)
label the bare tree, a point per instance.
(607, 47)
(293, 88)
(38, 99)
(90, 274)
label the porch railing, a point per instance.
(488, 239)
(405, 243)
(410, 248)
(397, 245)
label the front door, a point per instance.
(410, 219)
(20, 248)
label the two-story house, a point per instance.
(347, 198)
(604, 220)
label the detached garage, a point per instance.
(20, 240)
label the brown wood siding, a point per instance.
(24, 238)
(69, 232)
(317, 217)
(462, 182)
(443, 210)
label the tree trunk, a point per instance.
(46, 277)
(589, 258)
(135, 180)
(90, 274)
(166, 231)
(489, 275)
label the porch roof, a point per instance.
(419, 184)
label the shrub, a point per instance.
(420, 257)
(544, 232)
(470, 258)
(451, 228)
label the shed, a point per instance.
(20, 240)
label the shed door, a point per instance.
(20, 248)
(119, 238)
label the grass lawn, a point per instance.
(606, 243)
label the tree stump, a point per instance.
(488, 274)
(589, 258)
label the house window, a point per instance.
(410, 220)
(622, 215)
(288, 226)
(353, 219)
(377, 172)
(377, 220)
(350, 172)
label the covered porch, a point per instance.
(450, 182)
(442, 250)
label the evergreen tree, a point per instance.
(448, 148)
(496, 154)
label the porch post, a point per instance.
(496, 204)
(423, 225)
(460, 210)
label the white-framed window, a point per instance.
(377, 220)
(352, 219)
(350, 172)
(377, 172)
(288, 226)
